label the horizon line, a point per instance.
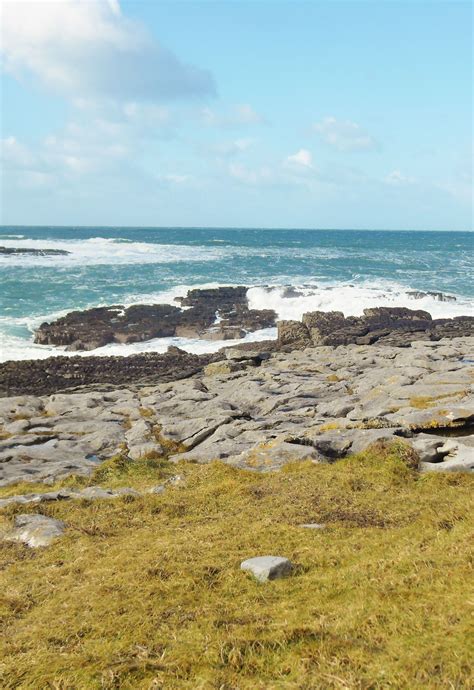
(219, 227)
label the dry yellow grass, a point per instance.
(147, 592)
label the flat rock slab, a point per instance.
(91, 493)
(315, 405)
(35, 530)
(265, 568)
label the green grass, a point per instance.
(147, 592)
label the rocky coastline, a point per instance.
(255, 410)
(328, 386)
(212, 314)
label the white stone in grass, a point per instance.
(313, 525)
(156, 489)
(35, 530)
(265, 568)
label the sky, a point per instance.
(230, 113)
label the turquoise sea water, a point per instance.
(338, 269)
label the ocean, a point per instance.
(345, 270)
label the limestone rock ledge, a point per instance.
(317, 404)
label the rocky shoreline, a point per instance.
(328, 386)
(208, 314)
(396, 327)
(256, 410)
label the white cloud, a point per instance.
(397, 179)
(246, 115)
(344, 135)
(301, 158)
(249, 176)
(228, 149)
(173, 178)
(14, 154)
(235, 116)
(85, 49)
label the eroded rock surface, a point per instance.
(396, 326)
(212, 314)
(318, 404)
(45, 376)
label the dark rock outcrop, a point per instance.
(216, 314)
(439, 296)
(32, 252)
(391, 326)
(46, 376)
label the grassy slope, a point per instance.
(147, 592)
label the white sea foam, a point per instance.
(15, 349)
(104, 251)
(351, 299)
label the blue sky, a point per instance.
(243, 114)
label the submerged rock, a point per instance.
(32, 252)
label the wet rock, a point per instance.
(290, 332)
(35, 530)
(440, 296)
(28, 251)
(265, 568)
(43, 377)
(389, 325)
(321, 324)
(215, 314)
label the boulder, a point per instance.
(35, 530)
(265, 568)
(291, 332)
(320, 323)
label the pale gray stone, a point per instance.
(19, 426)
(265, 568)
(139, 433)
(35, 530)
(313, 525)
(157, 489)
(241, 355)
(143, 449)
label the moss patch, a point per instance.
(147, 592)
(424, 402)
